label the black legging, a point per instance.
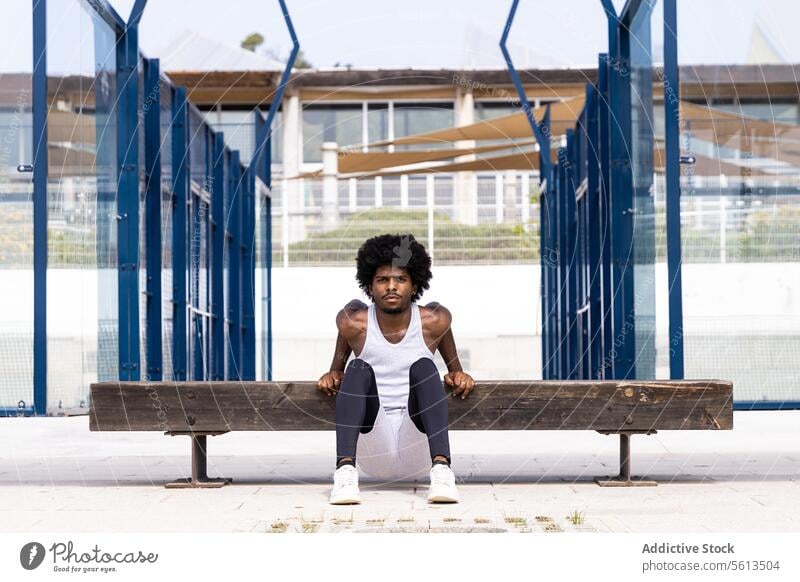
(357, 406)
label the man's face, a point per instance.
(392, 289)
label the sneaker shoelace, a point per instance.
(346, 477)
(441, 475)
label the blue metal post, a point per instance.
(605, 68)
(673, 188)
(595, 236)
(767, 405)
(546, 251)
(571, 268)
(621, 208)
(258, 162)
(267, 221)
(248, 241)
(582, 217)
(217, 264)
(630, 9)
(206, 217)
(40, 208)
(562, 344)
(264, 139)
(137, 11)
(606, 369)
(195, 320)
(106, 12)
(152, 157)
(230, 187)
(613, 39)
(541, 138)
(554, 270)
(128, 203)
(180, 198)
(233, 223)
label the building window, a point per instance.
(414, 118)
(491, 109)
(342, 124)
(377, 122)
(239, 128)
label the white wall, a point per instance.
(495, 317)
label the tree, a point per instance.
(301, 62)
(252, 42)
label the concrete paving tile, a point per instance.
(59, 475)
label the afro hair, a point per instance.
(398, 251)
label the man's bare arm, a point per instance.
(447, 348)
(461, 382)
(341, 353)
(343, 349)
(330, 381)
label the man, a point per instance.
(390, 402)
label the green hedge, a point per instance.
(453, 241)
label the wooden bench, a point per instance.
(624, 408)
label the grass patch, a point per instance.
(576, 518)
(310, 520)
(278, 527)
(342, 521)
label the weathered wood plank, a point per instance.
(503, 405)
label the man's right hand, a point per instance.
(329, 382)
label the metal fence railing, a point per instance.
(715, 229)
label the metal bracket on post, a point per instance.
(624, 478)
(263, 138)
(199, 478)
(542, 138)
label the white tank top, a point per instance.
(391, 362)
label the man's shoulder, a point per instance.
(352, 316)
(435, 315)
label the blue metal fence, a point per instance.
(598, 250)
(189, 212)
(185, 219)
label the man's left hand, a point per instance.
(461, 382)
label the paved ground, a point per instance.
(56, 476)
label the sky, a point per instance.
(458, 33)
(430, 33)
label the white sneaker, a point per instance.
(345, 486)
(443, 485)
